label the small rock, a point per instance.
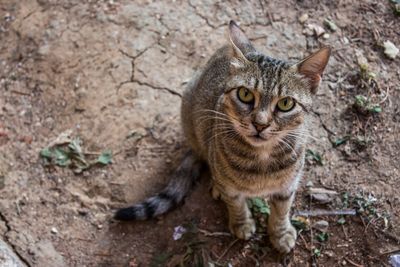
(321, 225)
(309, 184)
(99, 226)
(329, 253)
(395, 260)
(391, 50)
(345, 40)
(8, 257)
(361, 60)
(303, 18)
(54, 230)
(321, 195)
(318, 30)
(321, 198)
(308, 32)
(326, 36)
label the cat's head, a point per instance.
(266, 99)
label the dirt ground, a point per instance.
(113, 71)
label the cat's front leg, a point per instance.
(282, 234)
(241, 223)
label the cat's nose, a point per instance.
(260, 126)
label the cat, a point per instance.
(246, 115)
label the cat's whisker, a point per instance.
(207, 118)
(223, 132)
(204, 119)
(217, 113)
(303, 135)
(287, 145)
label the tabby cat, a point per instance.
(247, 116)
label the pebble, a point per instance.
(321, 198)
(391, 50)
(321, 225)
(313, 29)
(395, 260)
(309, 184)
(329, 253)
(303, 18)
(326, 36)
(54, 230)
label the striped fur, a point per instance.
(252, 148)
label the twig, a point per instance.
(316, 190)
(353, 263)
(313, 213)
(227, 249)
(386, 96)
(92, 153)
(20, 93)
(390, 251)
(305, 242)
(102, 254)
(214, 234)
(345, 233)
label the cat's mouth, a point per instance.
(257, 138)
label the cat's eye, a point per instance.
(286, 104)
(245, 95)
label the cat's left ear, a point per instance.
(240, 43)
(313, 66)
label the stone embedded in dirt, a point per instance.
(321, 195)
(391, 50)
(308, 32)
(7, 256)
(54, 230)
(316, 29)
(321, 225)
(303, 18)
(326, 36)
(321, 198)
(361, 59)
(329, 253)
(395, 260)
(309, 184)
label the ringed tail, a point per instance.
(181, 182)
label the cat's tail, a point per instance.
(178, 187)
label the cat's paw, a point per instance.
(243, 230)
(284, 241)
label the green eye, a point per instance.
(286, 104)
(245, 95)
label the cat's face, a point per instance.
(266, 99)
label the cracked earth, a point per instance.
(110, 69)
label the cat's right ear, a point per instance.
(313, 66)
(240, 43)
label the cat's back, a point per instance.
(200, 99)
